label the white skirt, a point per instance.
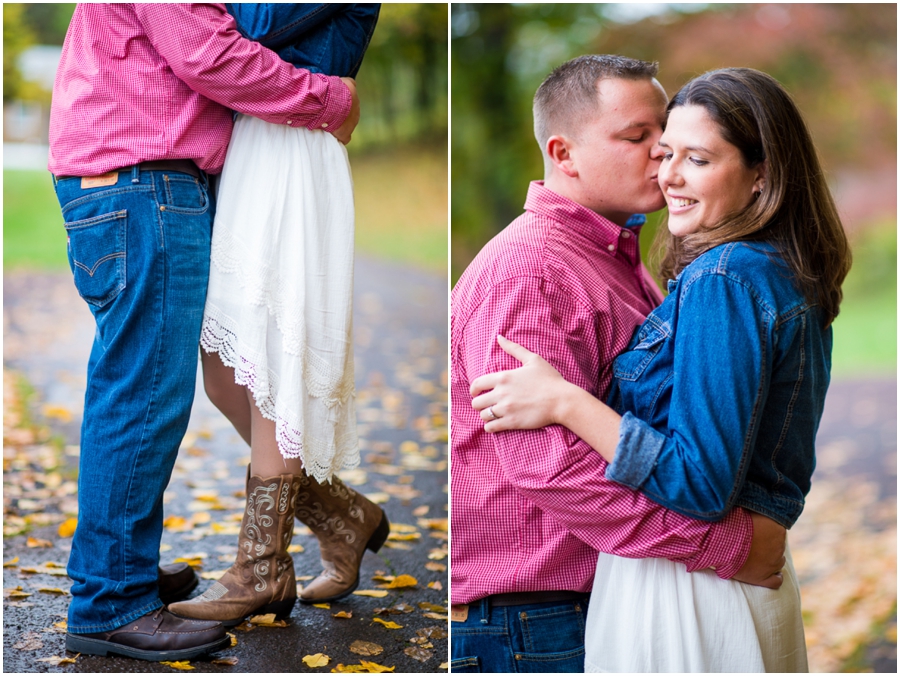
(652, 616)
(279, 306)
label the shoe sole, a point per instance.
(376, 541)
(96, 646)
(180, 594)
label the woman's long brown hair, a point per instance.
(795, 212)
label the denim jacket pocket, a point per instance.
(644, 347)
(96, 248)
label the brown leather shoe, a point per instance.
(345, 524)
(176, 581)
(157, 636)
(261, 580)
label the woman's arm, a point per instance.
(536, 395)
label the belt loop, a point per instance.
(485, 610)
(136, 173)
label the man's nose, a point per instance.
(657, 152)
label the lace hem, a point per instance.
(332, 414)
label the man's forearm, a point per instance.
(202, 46)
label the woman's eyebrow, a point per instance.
(697, 148)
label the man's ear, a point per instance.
(559, 152)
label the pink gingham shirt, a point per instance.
(531, 508)
(158, 81)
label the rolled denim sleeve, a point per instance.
(722, 361)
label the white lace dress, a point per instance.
(279, 305)
(652, 616)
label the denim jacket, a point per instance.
(329, 38)
(722, 390)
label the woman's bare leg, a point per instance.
(265, 457)
(227, 396)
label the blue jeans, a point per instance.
(532, 638)
(139, 252)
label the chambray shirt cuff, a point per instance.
(636, 453)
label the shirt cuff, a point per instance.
(337, 106)
(727, 546)
(636, 453)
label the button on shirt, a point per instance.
(531, 508)
(157, 81)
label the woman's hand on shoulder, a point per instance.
(524, 398)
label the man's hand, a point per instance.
(766, 559)
(344, 132)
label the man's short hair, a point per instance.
(569, 93)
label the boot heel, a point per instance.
(380, 535)
(282, 609)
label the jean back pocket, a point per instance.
(96, 249)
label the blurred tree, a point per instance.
(49, 21)
(16, 38)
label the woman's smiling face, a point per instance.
(703, 176)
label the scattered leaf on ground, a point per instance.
(403, 528)
(362, 668)
(432, 632)
(434, 616)
(421, 510)
(30, 641)
(435, 585)
(418, 653)
(295, 549)
(317, 660)
(57, 661)
(233, 639)
(19, 593)
(11, 563)
(374, 593)
(67, 528)
(267, 620)
(184, 665)
(402, 581)
(227, 661)
(53, 590)
(366, 648)
(435, 567)
(326, 606)
(37, 542)
(433, 607)
(213, 574)
(389, 625)
(345, 614)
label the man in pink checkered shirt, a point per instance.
(531, 508)
(141, 117)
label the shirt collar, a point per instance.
(607, 235)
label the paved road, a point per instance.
(401, 336)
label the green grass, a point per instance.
(33, 233)
(401, 212)
(865, 332)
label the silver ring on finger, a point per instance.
(494, 416)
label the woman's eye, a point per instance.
(667, 156)
(698, 162)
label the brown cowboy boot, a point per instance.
(345, 523)
(261, 580)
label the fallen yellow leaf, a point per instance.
(403, 528)
(434, 616)
(435, 567)
(53, 590)
(57, 661)
(434, 524)
(404, 537)
(176, 523)
(362, 668)
(317, 660)
(402, 581)
(435, 585)
(59, 412)
(344, 614)
(11, 563)
(67, 528)
(262, 619)
(389, 625)
(433, 607)
(184, 665)
(37, 542)
(227, 661)
(326, 606)
(374, 593)
(295, 549)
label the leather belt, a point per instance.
(179, 166)
(525, 598)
